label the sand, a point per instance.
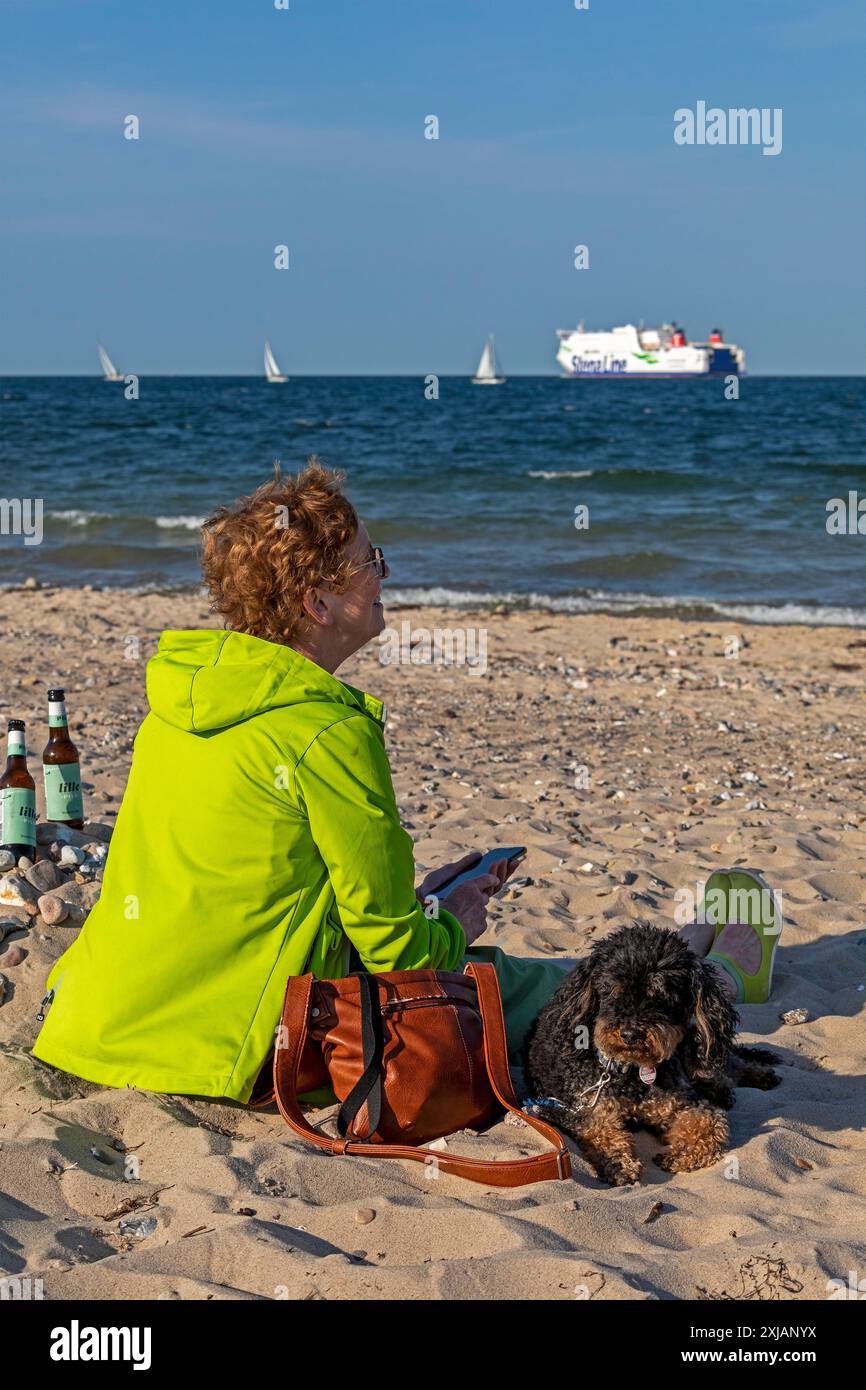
(611, 747)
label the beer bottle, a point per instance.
(61, 769)
(17, 797)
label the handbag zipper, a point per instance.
(394, 1006)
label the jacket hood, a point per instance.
(202, 679)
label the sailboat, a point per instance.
(272, 371)
(486, 373)
(109, 370)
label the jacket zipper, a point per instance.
(48, 1001)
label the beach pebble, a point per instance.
(795, 1016)
(11, 922)
(50, 830)
(16, 892)
(364, 1215)
(13, 955)
(71, 856)
(7, 860)
(44, 875)
(95, 830)
(52, 910)
(24, 863)
(31, 583)
(437, 1144)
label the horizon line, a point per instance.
(402, 376)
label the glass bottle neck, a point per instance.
(58, 727)
(16, 752)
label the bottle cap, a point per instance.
(16, 723)
(56, 695)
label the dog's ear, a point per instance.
(580, 1003)
(710, 1040)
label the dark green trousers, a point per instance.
(525, 984)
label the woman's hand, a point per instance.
(446, 873)
(468, 903)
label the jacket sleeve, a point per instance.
(343, 786)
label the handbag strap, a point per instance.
(512, 1172)
(369, 1087)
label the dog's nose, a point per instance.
(630, 1034)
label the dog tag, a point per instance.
(647, 1075)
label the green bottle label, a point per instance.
(56, 713)
(17, 816)
(63, 799)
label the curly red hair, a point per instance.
(264, 551)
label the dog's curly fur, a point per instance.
(642, 999)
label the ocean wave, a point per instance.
(628, 604)
(75, 517)
(180, 523)
(79, 517)
(552, 473)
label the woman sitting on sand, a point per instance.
(259, 835)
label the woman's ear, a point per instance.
(715, 1019)
(316, 607)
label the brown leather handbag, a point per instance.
(412, 1056)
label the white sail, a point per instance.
(272, 370)
(486, 374)
(109, 370)
(487, 365)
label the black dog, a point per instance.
(641, 1033)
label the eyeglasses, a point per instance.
(377, 559)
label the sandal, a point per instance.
(743, 896)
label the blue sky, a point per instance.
(305, 127)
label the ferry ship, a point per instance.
(646, 352)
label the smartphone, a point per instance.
(493, 856)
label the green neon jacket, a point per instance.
(258, 837)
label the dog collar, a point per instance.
(646, 1073)
(608, 1062)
